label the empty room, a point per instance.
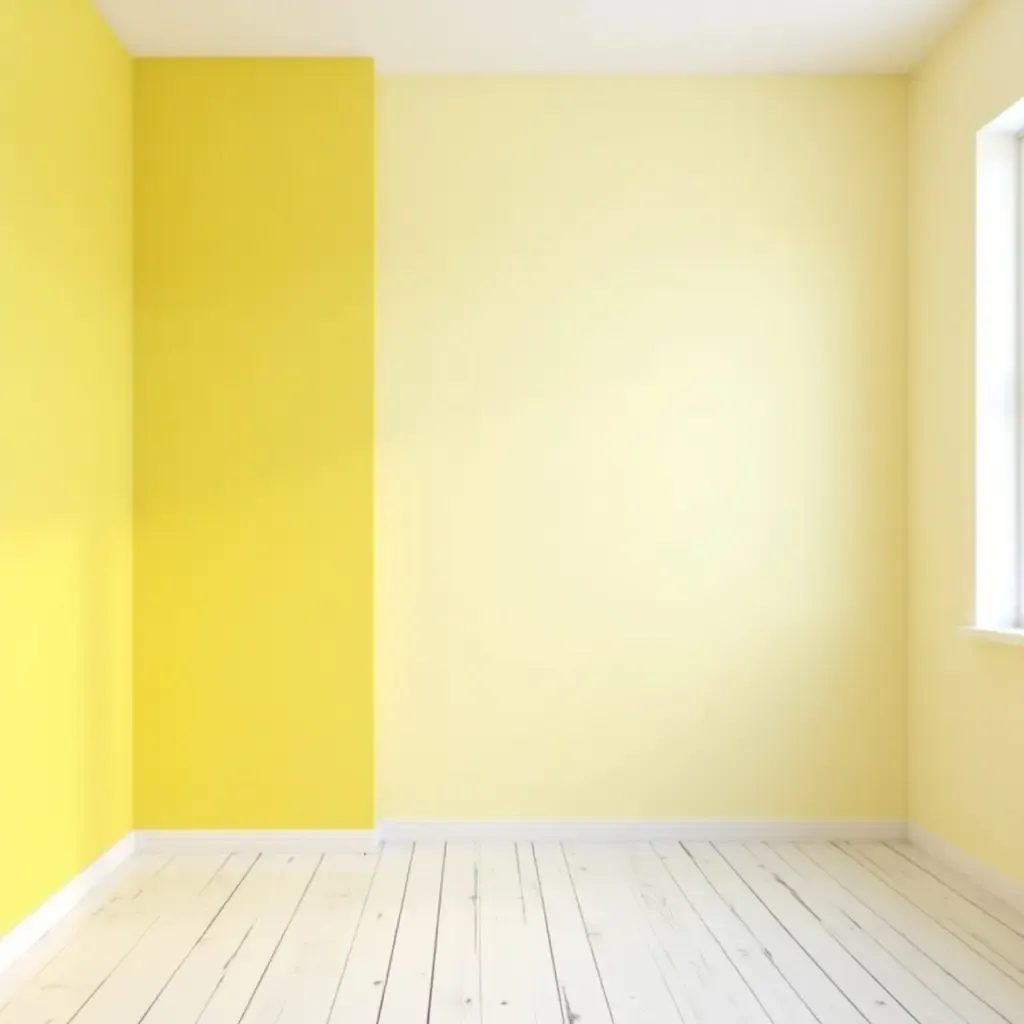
(511, 512)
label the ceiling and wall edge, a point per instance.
(596, 37)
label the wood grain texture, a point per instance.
(406, 996)
(546, 933)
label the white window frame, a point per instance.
(1018, 623)
(999, 526)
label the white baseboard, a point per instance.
(181, 841)
(23, 936)
(638, 831)
(1009, 890)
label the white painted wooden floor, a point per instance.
(588, 934)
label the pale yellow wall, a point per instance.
(254, 443)
(966, 696)
(641, 470)
(65, 446)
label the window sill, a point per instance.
(1014, 637)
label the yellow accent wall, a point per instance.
(254, 443)
(65, 446)
(641, 524)
(966, 696)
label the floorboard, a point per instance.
(780, 1000)
(406, 995)
(303, 974)
(963, 1004)
(62, 991)
(134, 987)
(518, 983)
(579, 983)
(366, 971)
(706, 984)
(732, 933)
(966, 887)
(456, 991)
(217, 979)
(638, 991)
(992, 987)
(988, 936)
(122, 888)
(902, 987)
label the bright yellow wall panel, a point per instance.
(641, 459)
(966, 696)
(65, 446)
(254, 443)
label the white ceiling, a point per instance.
(550, 36)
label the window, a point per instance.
(1018, 390)
(999, 596)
